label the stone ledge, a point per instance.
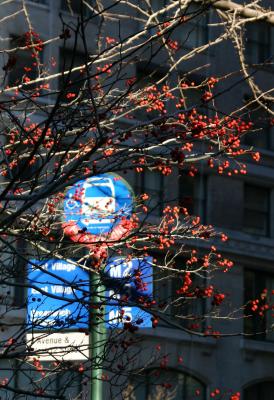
(178, 336)
(256, 346)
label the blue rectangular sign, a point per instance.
(63, 305)
(128, 282)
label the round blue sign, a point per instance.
(97, 204)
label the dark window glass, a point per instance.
(187, 193)
(192, 95)
(193, 98)
(194, 32)
(22, 65)
(146, 85)
(192, 194)
(151, 386)
(258, 286)
(158, 4)
(260, 138)
(261, 133)
(256, 210)
(182, 309)
(74, 6)
(258, 42)
(260, 391)
(151, 183)
(67, 384)
(26, 172)
(72, 83)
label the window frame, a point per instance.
(255, 46)
(65, 8)
(150, 372)
(197, 25)
(261, 124)
(257, 390)
(260, 281)
(56, 387)
(140, 188)
(67, 61)
(247, 229)
(167, 282)
(199, 192)
(15, 41)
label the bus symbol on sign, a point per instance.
(98, 204)
(98, 201)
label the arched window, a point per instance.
(260, 391)
(157, 384)
(67, 384)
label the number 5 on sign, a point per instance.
(118, 316)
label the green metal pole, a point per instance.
(97, 338)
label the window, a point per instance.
(162, 190)
(147, 77)
(21, 66)
(147, 89)
(260, 137)
(74, 6)
(260, 391)
(258, 286)
(193, 98)
(158, 5)
(194, 32)
(25, 172)
(68, 60)
(193, 95)
(187, 311)
(151, 183)
(66, 384)
(151, 386)
(192, 194)
(256, 218)
(262, 130)
(258, 42)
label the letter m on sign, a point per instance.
(115, 271)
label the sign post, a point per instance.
(96, 210)
(98, 339)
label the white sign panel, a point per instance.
(69, 346)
